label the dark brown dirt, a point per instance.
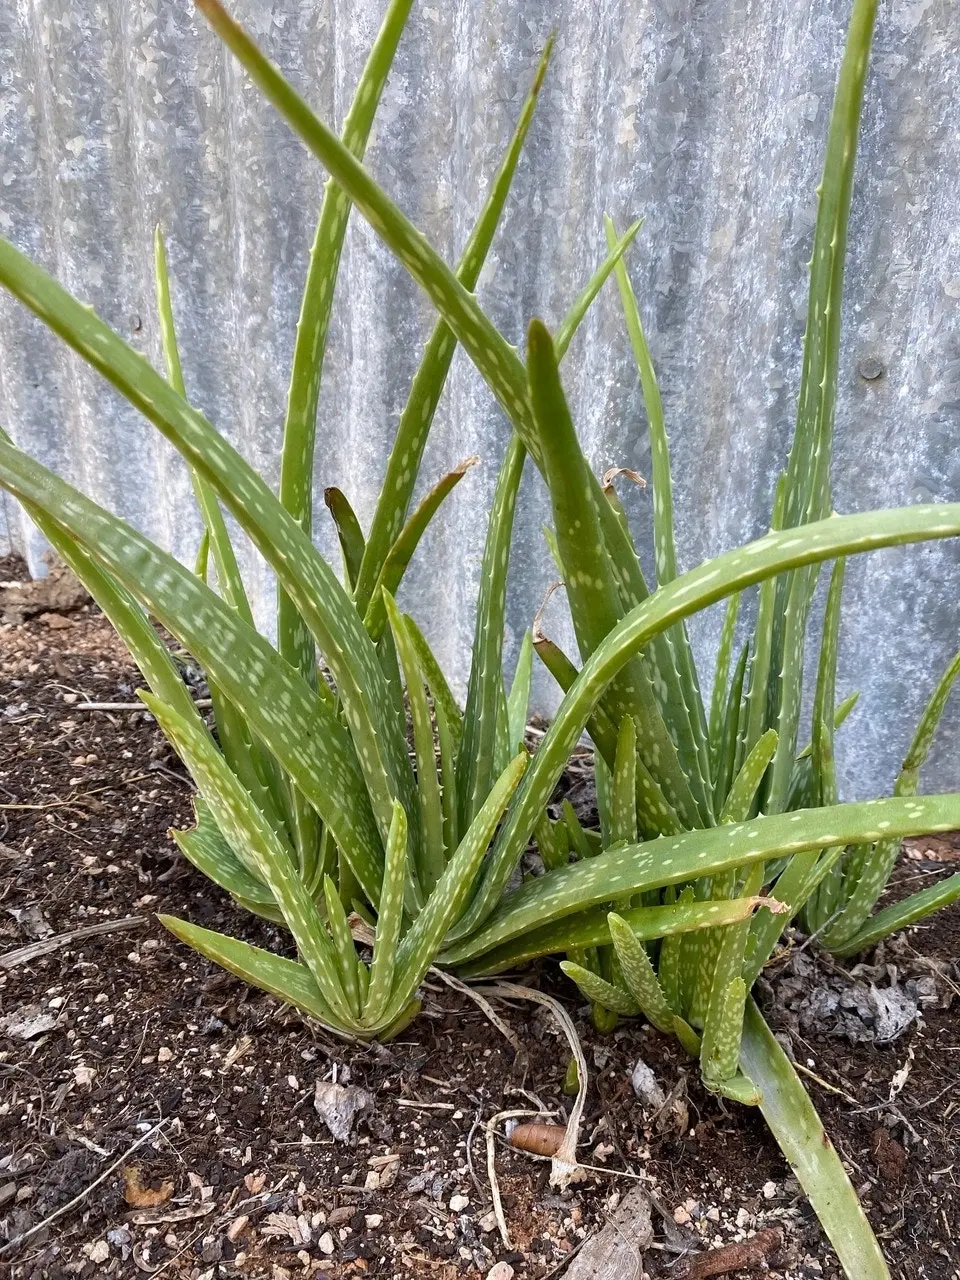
(143, 1038)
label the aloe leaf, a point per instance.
(808, 485)
(731, 738)
(447, 750)
(720, 1049)
(639, 976)
(926, 728)
(807, 478)
(789, 684)
(440, 690)
(573, 318)
(201, 565)
(206, 849)
(300, 730)
(590, 929)
(800, 1134)
(756, 721)
(602, 730)
(721, 683)
(245, 829)
(307, 578)
(841, 712)
(623, 808)
(796, 883)
(621, 872)
(349, 532)
(672, 947)
(695, 590)
(389, 920)
(422, 942)
(401, 553)
(600, 992)
(431, 861)
(476, 759)
(664, 548)
(245, 758)
(289, 980)
(825, 695)
(345, 953)
(588, 574)
(228, 572)
(875, 866)
(553, 842)
(579, 844)
(901, 915)
(720, 1043)
(415, 421)
(740, 799)
(688, 721)
(603, 784)
(299, 434)
(518, 700)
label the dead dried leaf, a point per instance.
(337, 1106)
(139, 1196)
(28, 1022)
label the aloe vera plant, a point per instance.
(310, 803)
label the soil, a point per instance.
(172, 1109)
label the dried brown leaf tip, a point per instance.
(139, 1196)
(538, 1139)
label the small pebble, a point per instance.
(459, 1203)
(681, 1215)
(500, 1271)
(325, 1243)
(372, 1220)
(769, 1190)
(100, 1252)
(237, 1227)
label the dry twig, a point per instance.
(43, 946)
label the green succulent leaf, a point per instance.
(349, 532)
(721, 683)
(299, 435)
(401, 553)
(739, 802)
(289, 980)
(417, 417)
(422, 943)
(626, 870)
(476, 761)
(731, 572)
(600, 992)
(300, 730)
(639, 976)
(247, 831)
(389, 921)
(518, 700)
(901, 916)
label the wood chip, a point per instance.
(736, 1257)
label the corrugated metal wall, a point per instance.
(708, 119)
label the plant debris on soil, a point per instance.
(158, 1118)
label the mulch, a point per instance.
(170, 1111)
